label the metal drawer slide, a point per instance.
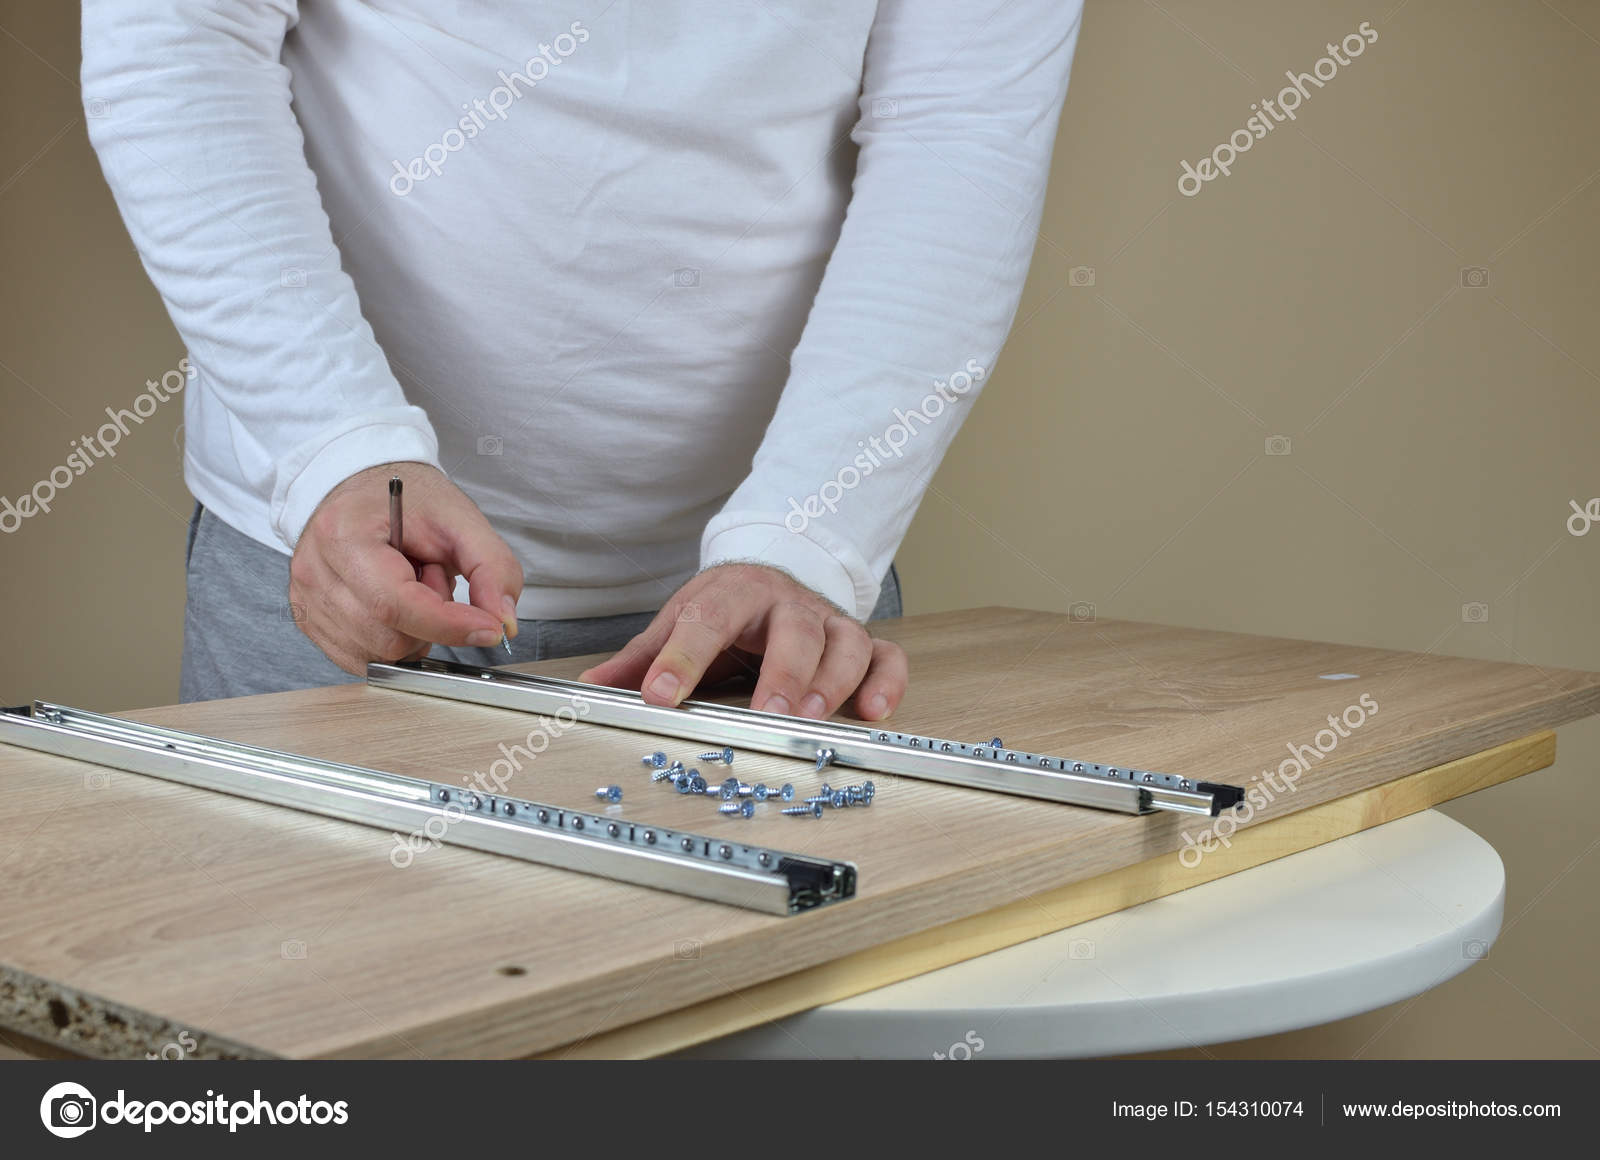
(1058, 779)
(758, 878)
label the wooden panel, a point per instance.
(261, 930)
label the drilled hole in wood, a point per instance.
(59, 1015)
(513, 970)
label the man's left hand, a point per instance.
(812, 656)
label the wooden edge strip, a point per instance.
(1065, 906)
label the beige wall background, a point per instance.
(1437, 423)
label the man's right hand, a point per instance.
(363, 601)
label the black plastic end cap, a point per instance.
(1223, 797)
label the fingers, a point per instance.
(627, 668)
(437, 579)
(494, 576)
(812, 659)
(697, 640)
(387, 595)
(844, 662)
(794, 644)
(885, 682)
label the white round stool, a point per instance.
(1330, 932)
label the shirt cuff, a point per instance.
(392, 435)
(835, 570)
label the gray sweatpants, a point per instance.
(240, 637)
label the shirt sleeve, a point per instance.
(191, 119)
(958, 115)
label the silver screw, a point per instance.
(724, 755)
(684, 783)
(745, 808)
(662, 775)
(656, 759)
(839, 800)
(697, 784)
(820, 799)
(826, 790)
(610, 793)
(801, 811)
(824, 757)
(784, 791)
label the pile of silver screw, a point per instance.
(737, 798)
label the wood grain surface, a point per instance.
(135, 908)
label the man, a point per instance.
(664, 312)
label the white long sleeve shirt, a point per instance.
(658, 283)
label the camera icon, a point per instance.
(1475, 948)
(1475, 612)
(686, 948)
(292, 276)
(1080, 948)
(294, 611)
(96, 107)
(1080, 612)
(490, 445)
(686, 276)
(68, 1110)
(1080, 276)
(689, 612)
(293, 948)
(1475, 277)
(96, 779)
(1279, 445)
(885, 107)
